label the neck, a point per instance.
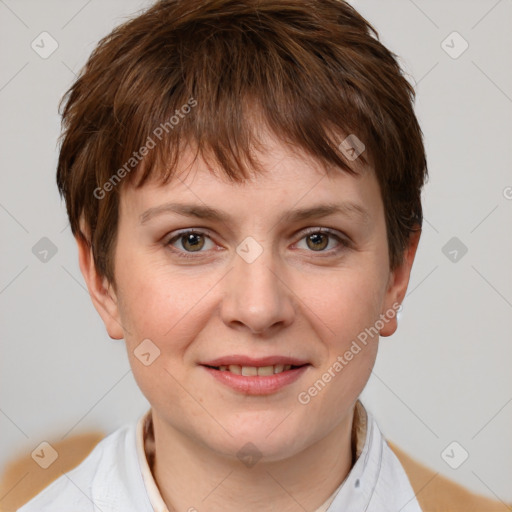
(191, 476)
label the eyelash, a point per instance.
(345, 244)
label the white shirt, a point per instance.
(116, 477)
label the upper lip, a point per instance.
(254, 361)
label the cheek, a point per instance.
(166, 308)
(346, 316)
(157, 311)
(349, 302)
(151, 299)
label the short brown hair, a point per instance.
(312, 69)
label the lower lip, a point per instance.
(257, 384)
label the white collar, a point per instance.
(154, 495)
(377, 482)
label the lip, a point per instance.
(258, 384)
(255, 361)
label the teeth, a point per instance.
(235, 368)
(252, 371)
(265, 370)
(249, 371)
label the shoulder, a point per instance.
(76, 487)
(436, 493)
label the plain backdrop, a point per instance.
(444, 376)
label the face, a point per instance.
(261, 286)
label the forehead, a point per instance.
(289, 179)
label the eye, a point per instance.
(317, 240)
(188, 242)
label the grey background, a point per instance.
(443, 377)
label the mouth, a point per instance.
(251, 376)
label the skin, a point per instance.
(292, 300)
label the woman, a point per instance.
(243, 180)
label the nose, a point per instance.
(257, 296)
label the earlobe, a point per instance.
(102, 293)
(397, 285)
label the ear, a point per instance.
(397, 285)
(101, 291)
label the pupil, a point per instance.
(192, 239)
(316, 238)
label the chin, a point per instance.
(276, 440)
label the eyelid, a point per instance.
(330, 231)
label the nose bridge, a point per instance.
(256, 295)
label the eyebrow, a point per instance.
(346, 208)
